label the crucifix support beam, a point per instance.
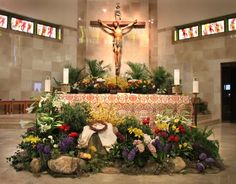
(122, 24)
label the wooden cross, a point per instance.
(116, 29)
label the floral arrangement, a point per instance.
(141, 86)
(142, 146)
(106, 113)
(121, 83)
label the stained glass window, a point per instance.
(213, 28)
(232, 24)
(189, 32)
(3, 21)
(22, 25)
(47, 31)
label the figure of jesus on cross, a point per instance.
(117, 32)
(117, 29)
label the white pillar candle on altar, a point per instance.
(176, 77)
(65, 75)
(47, 85)
(195, 86)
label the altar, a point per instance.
(139, 105)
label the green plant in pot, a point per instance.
(162, 79)
(138, 71)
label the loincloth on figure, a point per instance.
(116, 44)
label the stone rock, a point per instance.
(81, 163)
(179, 164)
(35, 165)
(63, 164)
(110, 170)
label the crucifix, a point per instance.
(117, 29)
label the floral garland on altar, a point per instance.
(141, 147)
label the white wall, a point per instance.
(178, 12)
(62, 12)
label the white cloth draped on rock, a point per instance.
(107, 137)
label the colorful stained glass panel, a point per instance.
(213, 28)
(232, 24)
(3, 21)
(189, 32)
(22, 25)
(46, 31)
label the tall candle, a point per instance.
(176, 77)
(195, 86)
(47, 85)
(65, 75)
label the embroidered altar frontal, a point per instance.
(139, 105)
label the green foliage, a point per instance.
(75, 74)
(138, 71)
(161, 78)
(96, 69)
(76, 116)
(202, 143)
(20, 160)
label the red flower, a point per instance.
(156, 130)
(73, 134)
(181, 129)
(146, 121)
(163, 134)
(64, 127)
(173, 138)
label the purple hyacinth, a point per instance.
(202, 156)
(200, 167)
(65, 144)
(132, 154)
(209, 161)
(167, 147)
(40, 147)
(47, 150)
(125, 153)
(158, 145)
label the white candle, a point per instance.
(195, 86)
(47, 85)
(176, 77)
(65, 75)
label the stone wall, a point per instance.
(25, 60)
(198, 58)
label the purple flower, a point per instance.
(132, 154)
(47, 150)
(40, 147)
(125, 153)
(65, 144)
(167, 147)
(202, 156)
(158, 145)
(210, 161)
(200, 167)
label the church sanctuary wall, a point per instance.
(25, 60)
(135, 43)
(200, 58)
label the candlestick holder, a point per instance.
(65, 88)
(195, 107)
(176, 89)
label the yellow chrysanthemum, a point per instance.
(136, 131)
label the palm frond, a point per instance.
(138, 71)
(95, 68)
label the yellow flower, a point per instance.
(85, 155)
(137, 132)
(180, 146)
(176, 120)
(174, 127)
(162, 126)
(185, 145)
(93, 148)
(32, 139)
(177, 130)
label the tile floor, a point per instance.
(224, 132)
